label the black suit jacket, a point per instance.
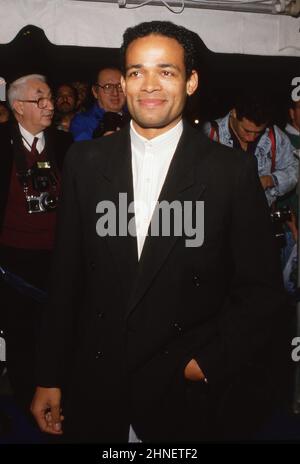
(118, 332)
(57, 144)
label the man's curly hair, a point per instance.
(186, 38)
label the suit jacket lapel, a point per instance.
(118, 176)
(179, 185)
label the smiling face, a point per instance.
(155, 84)
(28, 114)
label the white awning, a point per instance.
(99, 24)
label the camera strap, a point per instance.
(214, 131)
(19, 154)
(273, 147)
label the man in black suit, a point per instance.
(30, 164)
(146, 336)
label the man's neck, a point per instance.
(30, 129)
(152, 132)
(244, 145)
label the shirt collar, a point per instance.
(28, 138)
(292, 130)
(171, 136)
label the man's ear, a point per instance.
(95, 91)
(233, 113)
(18, 107)
(123, 85)
(192, 83)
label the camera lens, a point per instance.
(48, 202)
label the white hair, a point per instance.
(16, 88)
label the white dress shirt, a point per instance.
(28, 138)
(150, 163)
(151, 160)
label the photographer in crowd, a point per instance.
(248, 127)
(290, 255)
(31, 159)
(109, 97)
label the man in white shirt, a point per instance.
(146, 331)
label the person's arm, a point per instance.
(285, 175)
(255, 305)
(57, 338)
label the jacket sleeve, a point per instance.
(256, 304)
(57, 331)
(81, 128)
(285, 174)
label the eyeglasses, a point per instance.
(109, 88)
(41, 102)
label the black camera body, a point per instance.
(41, 204)
(110, 123)
(42, 180)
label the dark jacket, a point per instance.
(118, 332)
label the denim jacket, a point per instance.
(285, 174)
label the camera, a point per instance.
(279, 216)
(40, 204)
(110, 123)
(42, 179)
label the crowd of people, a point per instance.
(140, 338)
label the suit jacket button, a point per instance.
(99, 354)
(100, 315)
(196, 281)
(92, 265)
(177, 326)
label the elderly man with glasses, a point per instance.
(31, 158)
(110, 99)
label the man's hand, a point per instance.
(46, 410)
(193, 372)
(266, 182)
